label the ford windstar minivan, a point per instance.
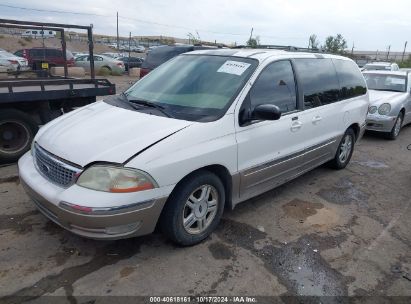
(201, 133)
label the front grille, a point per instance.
(55, 170)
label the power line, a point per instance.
(51, 11)
(120, 17)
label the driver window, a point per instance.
(275, 85)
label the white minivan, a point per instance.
(203, 132)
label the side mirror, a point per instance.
(266, 112)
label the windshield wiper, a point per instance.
(389, 90)
(149, 104)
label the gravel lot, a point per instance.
(326, 233)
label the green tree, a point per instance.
(253, 42)
(313, 42)
(335, 44)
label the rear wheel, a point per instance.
(194, 209)
(396, 128)
(105, 71)
(344, 152)
(17, 131)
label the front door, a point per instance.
(270, 152)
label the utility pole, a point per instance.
(118, 38)
(251, 35)
(388, 53)
(352, 50)
(129, 47)
(403, 53)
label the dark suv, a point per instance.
(54, 57)
(161, 54)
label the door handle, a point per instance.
(296, 126)
(316, 119)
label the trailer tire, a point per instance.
(17, 130)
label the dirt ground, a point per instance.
(327, 233)
(13, 44)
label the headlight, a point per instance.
(372, 110)
(384, 109)
(115, 179)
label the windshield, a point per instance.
(381, 82)
(194, 87)
(377, 67)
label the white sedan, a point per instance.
(13, 62)
(102, 64)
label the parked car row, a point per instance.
(126, 47)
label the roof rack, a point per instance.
(289, 48)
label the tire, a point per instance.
(17, 130)
(344, 152)
(104, 71)
(395, 131)
(185, 203)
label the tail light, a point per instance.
(144, 72)
(70, 62)
(25, 55)
(120, 64)
(13, 61)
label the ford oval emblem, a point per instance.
(45, 168)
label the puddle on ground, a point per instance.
(126, 271)
(298, 265)
(221, 251)
(372, 164)
(343, 194)
(300, 209)
(324, 219)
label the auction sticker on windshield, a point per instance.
(233, 67)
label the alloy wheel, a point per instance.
(200, 209)
(345, 148)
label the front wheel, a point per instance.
(344, 152)
(396, 128)
(194, 209)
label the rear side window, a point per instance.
(37, 53)
(352, 82)
(162, 54)
(275, 85)
(319, 81)
(54, 53)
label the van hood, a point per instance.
(106, 133)
(379, 97)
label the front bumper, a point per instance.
(380, 123)
(134, 219)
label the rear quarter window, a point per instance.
(37, 53)
(318, 80)
(351, 80)
(54, 53)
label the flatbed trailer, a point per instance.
(27, 103)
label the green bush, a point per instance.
(27, 39)
(406, 63)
